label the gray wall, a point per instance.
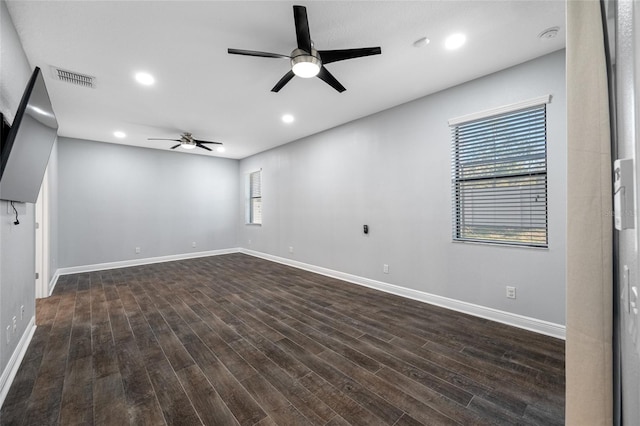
(391, 171)
(17, 243)
(114, 198)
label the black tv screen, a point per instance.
(28, 143)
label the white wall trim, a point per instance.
(500, 110)
(134, 262)
(13, 365)
(520, 321)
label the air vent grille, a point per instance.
(75, 78)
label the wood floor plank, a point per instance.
(44, 404)
(237, 365)
(251, 332)
(77, 392)
(246, 410)
(346, 407)
(351, 388)
(388, 391)
(207, 402)
(234, 339)
(174, 402)
(108, 401)
(314, 409)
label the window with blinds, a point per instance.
(255, 198)
(499, 178)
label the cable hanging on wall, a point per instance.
(17, 222)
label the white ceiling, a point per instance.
(201, 89)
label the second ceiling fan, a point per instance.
(306, 61)
(187, 141)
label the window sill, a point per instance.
(508, 245)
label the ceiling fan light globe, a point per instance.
(304, 65)
(305, 69)
(188, 146)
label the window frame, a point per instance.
(250, 215)
(493, 190)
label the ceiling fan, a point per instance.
(187, 142)
(306, 61)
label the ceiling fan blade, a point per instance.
(302, 28)
(199, 141)
(328, 78)
(256, 53)
(175, 146)
(284, 80)
(328, 56)
(199, 145)
(156, 139)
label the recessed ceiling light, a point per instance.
(220, 149)
(287, 118)
(145, 78)
(120, 135)
(421, 42)
(455, 41)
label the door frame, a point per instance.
(42, 239)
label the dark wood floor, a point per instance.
(233, 339)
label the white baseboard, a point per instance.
(520, 321)
(11, 369)
(134, 262)
(53, 282)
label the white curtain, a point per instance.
(589, 223)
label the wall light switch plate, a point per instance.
(623, 194)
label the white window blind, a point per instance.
(255, 197)
(499, 178)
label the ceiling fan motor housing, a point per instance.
(186, 141)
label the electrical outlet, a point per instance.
(137, 250)
(290, 249)
(385, 268)
(511, 292)
(249, 242)
(193, 244)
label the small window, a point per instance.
(499, 178)
(255, 198)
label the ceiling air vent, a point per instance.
(74, 78)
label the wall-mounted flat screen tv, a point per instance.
(28, 143)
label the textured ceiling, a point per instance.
(201, 89)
